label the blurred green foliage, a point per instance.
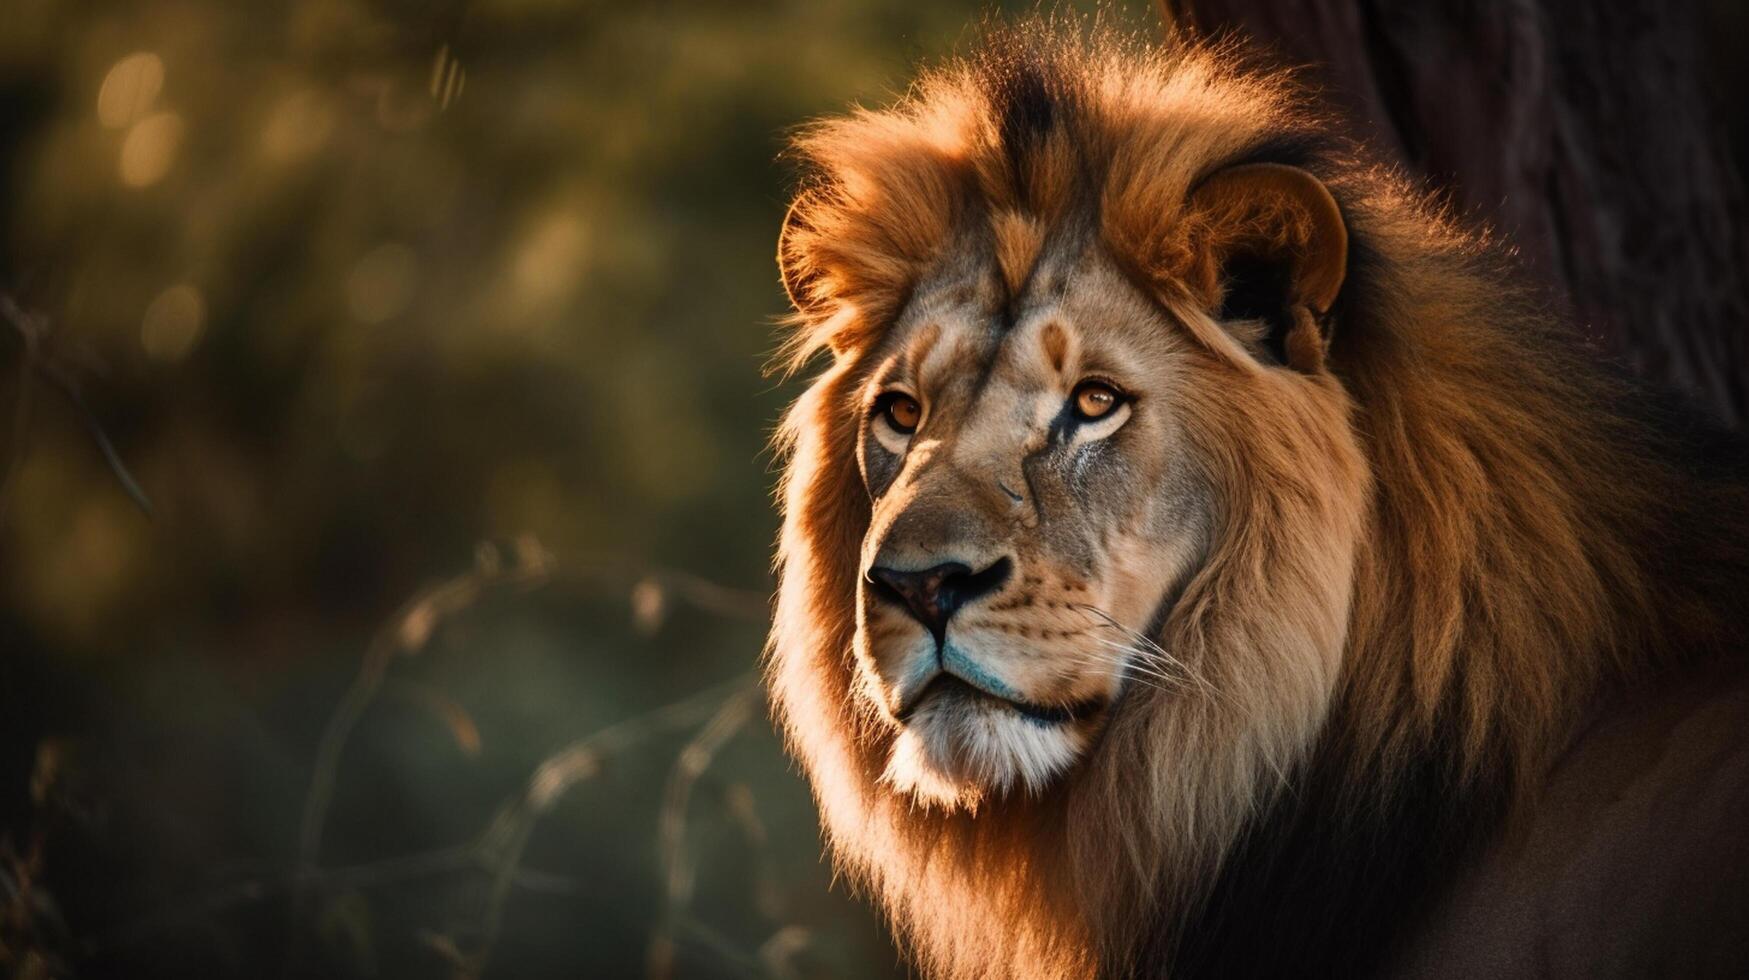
(353, 286)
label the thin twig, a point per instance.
(680, 872)
(69, 387)
(409, 630)
(499, 848)
(510, 831)
(405, 634)
(29, 331)
(738, 800)
(32, 328)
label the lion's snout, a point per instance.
(932, 595)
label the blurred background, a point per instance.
(385, 530)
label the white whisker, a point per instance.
(1132, 673)
(1132, 659)
(1121, 660)
(1144, 650)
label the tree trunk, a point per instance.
(1586, 135)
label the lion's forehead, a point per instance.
(963, 347)
(968, 366)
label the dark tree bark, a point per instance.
(1585, 132)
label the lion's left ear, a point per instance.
(1274, 249)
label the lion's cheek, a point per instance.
(890, 651)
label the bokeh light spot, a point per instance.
(381, 283)
(172, 323)
(129, 89)
(150, 149)
(549, 261)
(297, 126)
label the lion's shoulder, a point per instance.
(1634, 861)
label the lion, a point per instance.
(1202, 557)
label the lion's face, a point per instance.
(1035, 507)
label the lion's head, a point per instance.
(1049, 455)
(1054, 429)
(1159, 434)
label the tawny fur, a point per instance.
(1507, 524)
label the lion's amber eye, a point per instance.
(903, 413)
(1095, 400)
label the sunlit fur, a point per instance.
(1446, 544)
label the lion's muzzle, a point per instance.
(934, 594)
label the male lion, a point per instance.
(1200, 559)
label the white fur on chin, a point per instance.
(952, 753)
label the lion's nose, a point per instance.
(933, 595)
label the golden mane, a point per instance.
(1528, 541)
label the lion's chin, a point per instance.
(955, 752)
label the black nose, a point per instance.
(933, 595)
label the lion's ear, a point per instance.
(799, 274)
(1274, 250)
